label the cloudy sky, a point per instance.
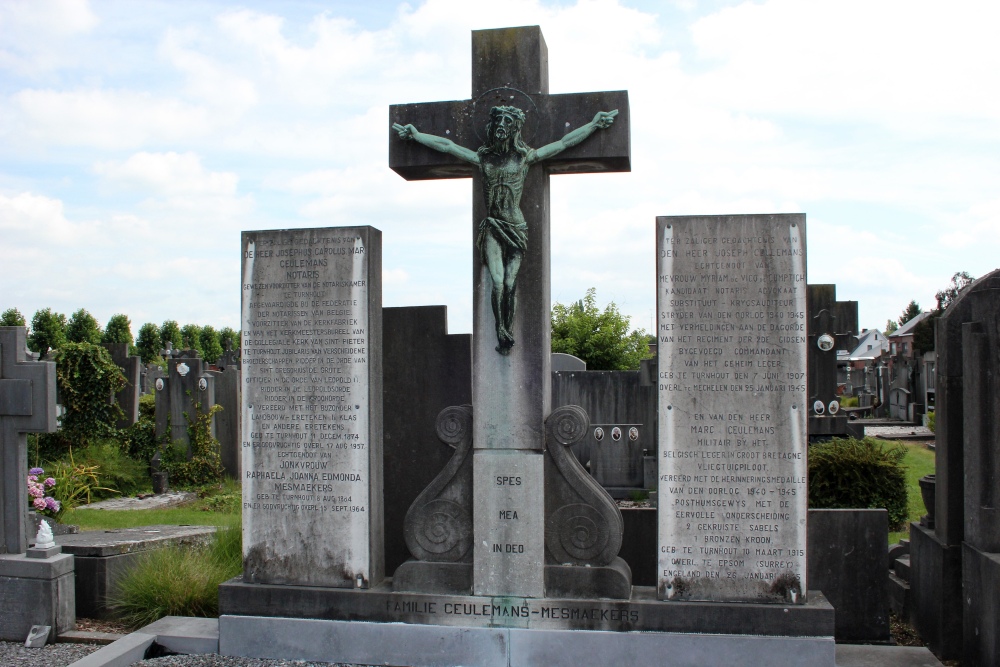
(137, 138)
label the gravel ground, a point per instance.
(210, 660)
(52, 655)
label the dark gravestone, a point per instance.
(426, 370)
(27, 405)
(936, 555)
(128, 397)
(36, 588)
(613, 400)
(830, 328)
(846, 555)
(511, 385)
(981, 548)
(186, 391)
(228, 395)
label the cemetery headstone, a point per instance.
(936, 554)
(185, 391)
(36, 585)
(128, 397)
(228, 385)
(731, 332)
(511, 395)
(312, 407)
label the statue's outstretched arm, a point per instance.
(602, 120)
(437, 143)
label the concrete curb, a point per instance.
(177, 634)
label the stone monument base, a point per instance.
(36, 591)
(936, 589)
(981, 583)
(385, 626)
(612, 581)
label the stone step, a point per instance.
(88, 637)
(902, 567)
(899, 596)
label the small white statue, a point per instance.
(44, 539)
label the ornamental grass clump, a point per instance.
(852, 473)
(178, 580)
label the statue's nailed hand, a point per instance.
(405, 131)
(604, 119)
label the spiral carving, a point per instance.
(567, 424)
(443, 530)
(454, 424)
(578, 534)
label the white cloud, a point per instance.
(169, 174)
(102, 119)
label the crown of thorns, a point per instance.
(513, 112)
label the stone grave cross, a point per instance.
(511, 378)
(27, 405)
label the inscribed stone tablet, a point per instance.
(731, 333)
(312, 407)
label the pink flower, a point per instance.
(49, 481)
(36, 492)
(39, 504)
(32, 478)
(52, 504)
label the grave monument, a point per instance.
(731, 298)
(514, 545)
(36, 585)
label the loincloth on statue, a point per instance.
(510, 235)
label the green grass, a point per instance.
(178, 581)
(919, 461)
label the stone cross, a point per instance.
(27, 405)
(511, 392)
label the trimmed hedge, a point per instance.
(852, 473)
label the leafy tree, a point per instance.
(227, 333)
(48, 331)
(12, 317)
(959, 282)
(191, 338)
(170, 332)
(83, 328)
(890, 327)
(119, 330)
(911, 311)
(211, 346)
(602, 339)
(923, 333)
(148, 343)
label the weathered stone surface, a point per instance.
(643, 612)
(612, 399)
(35, 592)
(27, 405)
(228, 394)
(186, 391)
(846, 557)
(102, 557)
(731, 338)
(312, 406)
(509, 529)
(128, 397)
(426, 370)
(981, 584)
(936, 590)
(438, 525)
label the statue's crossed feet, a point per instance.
(506, 341)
